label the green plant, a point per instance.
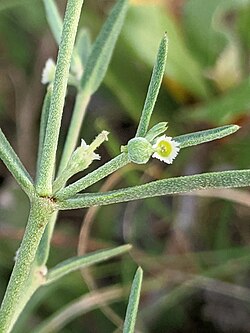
(49, 193)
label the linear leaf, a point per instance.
(154, 87)
(134, 298)
(83, 46)
(102, 50)
(15, 166)
(54, 19)
(76, 263)
(175, 185)
(197, 138)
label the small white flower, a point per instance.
(92, 155)
(48, 71)
(84, 144)
(166, 149)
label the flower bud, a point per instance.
(139, 150)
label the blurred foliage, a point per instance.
(194, 250)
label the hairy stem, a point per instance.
(48, 157)
(225, 179)
(15, 297)
(15, 166)
(93, 177)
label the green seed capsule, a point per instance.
(139, 150)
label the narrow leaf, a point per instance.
(76, 263)
(54, 19)
(134, 298)
(154, 87)
(196, 138)
(103, 48)
(83, 46)
(224, 179)
(15, 166)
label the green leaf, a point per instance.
(83, 46)
(102, 50)
(76, 263)
(156, 130)
(223, 109)
(134, 298)
(15, 166)
(142, 38)
(6, 4)
(54, 19)
(154, 87)
(204, 41)
(196, 138)
(224, 179)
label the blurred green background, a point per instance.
(194, 249)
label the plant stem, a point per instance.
(81, 104)
(15, 166)
(15, 299)
(43, 125)
(48, 158)
(225, 179)
(93, 177)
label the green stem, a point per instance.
(43, 125)
(93, 177)
(82, 101)
(48, 158)
(225, 179)
(15, 297)
(15, 166)
(56, 25)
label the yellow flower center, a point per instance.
(164, 148)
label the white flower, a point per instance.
(92, 155)
(48, 71)
(166, 149)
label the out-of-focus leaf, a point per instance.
(143, 38)
(203, 40)
(54, 19)
(134, 297)
(223, 109)
(83, 45)
(102, 50)
(75, 263)
(6, 4)
(243, 24)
